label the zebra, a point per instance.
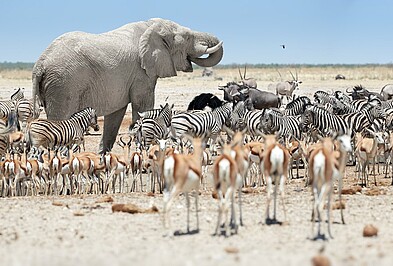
(275, 122)
(151, 130)
(359, 121)
(165, 112)
(327, 123)
(18, 95)
(26, 112)
(52, 134)
(201, 124)
(297, 106)
(6, 107)
(243, 119)
(322, 97)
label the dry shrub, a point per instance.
(320, 260)
(132, 208)
(78, 213)
(105, 199)
(351, 190)
(370, 231)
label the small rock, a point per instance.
(132, 208)
(370, 231)
(105, 199)
(78, 213)
(320, 260)
(231, 250)
(351, 190)
(214, 195)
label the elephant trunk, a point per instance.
(215, 55)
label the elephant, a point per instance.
(109, 70)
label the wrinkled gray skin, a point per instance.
(387, 92)
(109, 70)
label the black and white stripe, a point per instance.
(297, 106)
(55, 134)
(200, 124)
(26, 112)
(325, 122)
(151, 129)
(165, 112)
(284, 126)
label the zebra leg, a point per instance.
(112, 124)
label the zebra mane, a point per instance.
(301, 99)
(275, 112)
(239, 106)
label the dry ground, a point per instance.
(79, 230)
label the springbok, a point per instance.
(366, 150)
(321, 165)
(182, 173)
(275, 168)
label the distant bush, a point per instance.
(16, 66)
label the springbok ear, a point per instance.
(154, 52)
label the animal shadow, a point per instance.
(273, 221)
(184, 233)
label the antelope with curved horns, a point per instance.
(286, 88)
(249, 82)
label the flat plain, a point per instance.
(83, 230)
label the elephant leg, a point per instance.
(112, 124)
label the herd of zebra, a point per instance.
(41, 157)
(302, 119)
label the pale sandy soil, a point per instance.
(34, 231)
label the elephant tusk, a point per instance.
(214, 48)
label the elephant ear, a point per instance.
(155, 54)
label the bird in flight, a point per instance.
(283, 46)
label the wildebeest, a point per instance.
(257, 99)
(359, 92)
(229, 90)
(204, 99)
(387, 92)
(207, 72)
(339, 76)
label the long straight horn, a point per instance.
(296, 75)
(240, 73)
(292, 75)
(245, 70)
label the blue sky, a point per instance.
(314, 31)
